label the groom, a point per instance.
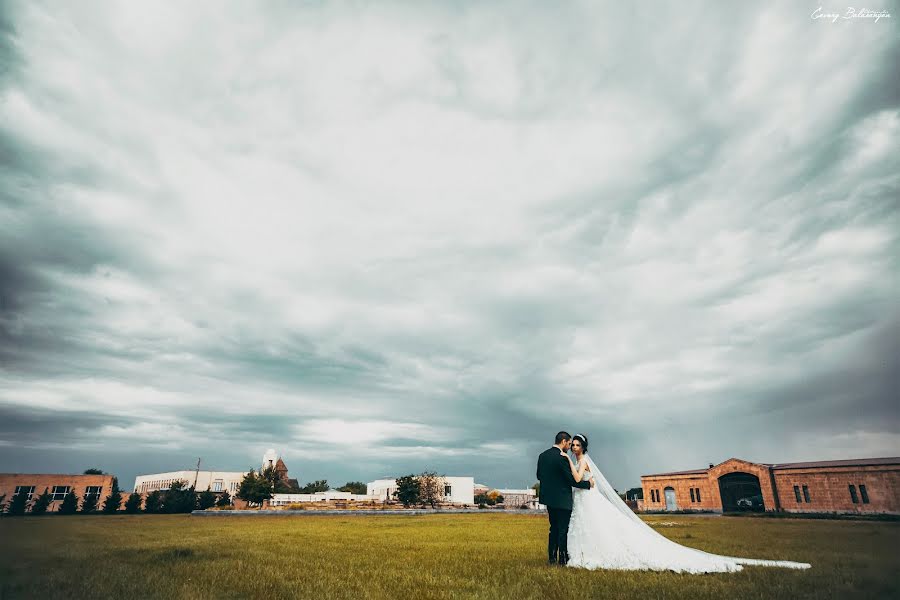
(555, 476)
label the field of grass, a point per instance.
(432, 556)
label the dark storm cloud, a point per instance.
(477, 226)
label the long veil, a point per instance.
(603, 488)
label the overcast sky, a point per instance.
(383, 239)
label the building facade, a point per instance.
(216, 481)
(457, 490)
(869, 485)
(518, 498)
(33, 485)
(329, 496)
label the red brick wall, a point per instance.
(682, 485)
(829, 491)
(828, 488)
(78, 483)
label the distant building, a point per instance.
(517, 498)
(33, 485)
(329, 496)
(216, 481)
(457, 490)
(868, 485)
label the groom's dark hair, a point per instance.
(562, 435)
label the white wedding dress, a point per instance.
(605, 534)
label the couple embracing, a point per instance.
(592, 527)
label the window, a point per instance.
(93, 490)
(853, 497)
(864, 493)
(797, 494)
(692, 495)
(25, 489)
(60, 491)
(217, 485)
(448, 490)
(806, 494)
(698, 494)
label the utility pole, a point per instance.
(197, 474)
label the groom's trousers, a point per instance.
(558, 542)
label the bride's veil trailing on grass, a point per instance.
(603, 488)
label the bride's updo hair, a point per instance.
(583, 439)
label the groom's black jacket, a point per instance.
(555, 475)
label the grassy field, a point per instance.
(434, 556)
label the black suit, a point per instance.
(555, 475)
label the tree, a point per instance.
(537, 489)
(483, 500)
(114, 500)
(431, 488)
(133, 504)
(153, 502)
(224, 500)
(69, 505)
(407, 490)
(93, 471)
(495, 496)
(354, 487)
(89, 504)
(319, 485)
(2, 503)
(42, 503)
(254, 489)
(178, 499)
(276, 483)
(206, 499)
(18, 504)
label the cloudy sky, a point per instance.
(381, 239)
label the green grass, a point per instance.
(433, 556)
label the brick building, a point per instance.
(59, 485)
(868, 485)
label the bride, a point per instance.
(605, 534)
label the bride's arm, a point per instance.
(575, 472)
(581, 470)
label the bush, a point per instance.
(114, 500)
(89, 504)
(407, 490)
(42, 503)
(153, 502)
(69, 505)
(224, 500)
(18, 505)
(206, 499)
(296, 506)
(178, 499)
(133, 504)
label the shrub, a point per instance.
(114, 500)
(42, 503)
(69, 505)
(224, 500)
(89, 504)
(206, 499)
(133, 504)
(153, 502)
(18, 505)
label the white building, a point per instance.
(457, 490)
(217, 481)
(288, 499)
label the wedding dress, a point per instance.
(605, 534)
